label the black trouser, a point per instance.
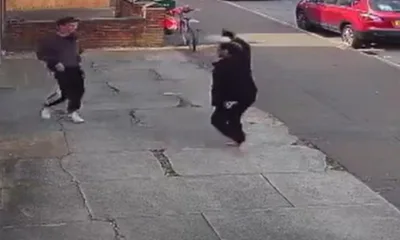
(228, 121)
(71, 82)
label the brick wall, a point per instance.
(130, 31)
(153, 22)
(153, 31)
(126, 8)
(55, 4)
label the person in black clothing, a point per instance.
(233, 91)
(61, 53)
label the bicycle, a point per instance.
(183, 24)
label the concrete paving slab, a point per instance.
(62, 231)
(287, 159)
(189, 227)
(254, 116)
(32, 76)
(257, 155)
(125, 80)
(112, 140)
(27, 125)
(193, 130)
(135, 101)
(24, 205)
(323, 189)
(344, 223)
(179, 196)
(28, 172)
(157, 74)
(23, 116)
(247, 160)
(113, 166)
(101, 119)
(118, 66)
(40, 145)
(197, 161)
(259, 135)
(263, 129)
(108, 61)
(30, 100)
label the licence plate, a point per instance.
(396, 23)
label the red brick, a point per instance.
(96, 33)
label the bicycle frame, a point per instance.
(177, 21)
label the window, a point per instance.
(330, 1)
(345, 2)
(385, 5)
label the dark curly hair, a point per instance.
(232, 48)
(66, 20)
(227, 33)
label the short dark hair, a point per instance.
(227, 33)
(66, 20)
(232, 47)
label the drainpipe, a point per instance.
(144, 8)
(2, 27)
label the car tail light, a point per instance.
(370, 17)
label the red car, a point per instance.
(359, 22)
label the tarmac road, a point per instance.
(283, 10)
(342, 101)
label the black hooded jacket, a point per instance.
(232, 82)
(246, 51)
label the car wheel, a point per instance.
(349, 37)
(303, 22)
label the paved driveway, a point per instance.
(340, 100)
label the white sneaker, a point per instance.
(45, 113)
(232, 144)
(76, 118)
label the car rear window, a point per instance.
(385, 5)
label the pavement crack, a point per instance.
(135, 120)
(64, 132)
(78, 185)
(211, 226)
(117, 231)
(277, 190)
(165, 163)
(113, 222)
(112, 87)
(157, 75)
(182, 102)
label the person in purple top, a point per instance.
(61, 53)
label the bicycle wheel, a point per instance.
(192, 39)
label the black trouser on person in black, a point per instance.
(71, 82)
(228, 121)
